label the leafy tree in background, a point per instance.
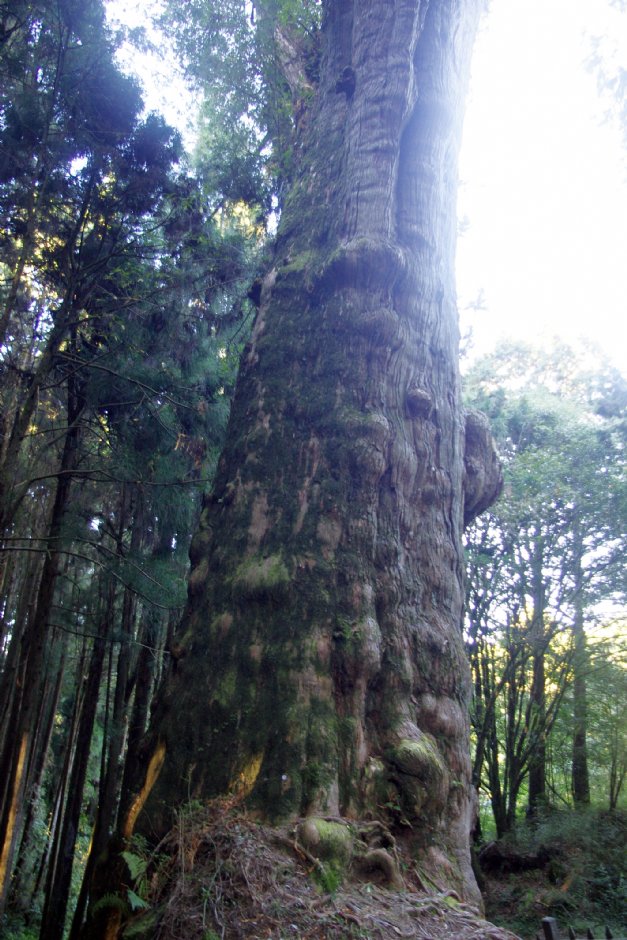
(121, 320)
(543, 563)
(257, 71)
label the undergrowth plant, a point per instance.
(583, 885)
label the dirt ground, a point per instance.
(221, 876)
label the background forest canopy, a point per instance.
(130, 272)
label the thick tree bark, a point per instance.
(321, 666)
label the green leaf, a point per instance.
(135, 863)
(110, 901)
(137, 903)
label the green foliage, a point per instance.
(139, 858)
(246, 143)
(136, 864)
(328, 876)
(585, 882)
(136, 903)
(108, 901)
(545, 570)
(606, 680)
(13, 928)
(123, 280)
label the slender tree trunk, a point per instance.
(537, 704)
(618, 766)
(134, 689)
(580, 776)
(60, 781)
(498, 798)
(23, 613)
(487, 749)
(322, 668)
(9, 577)
(21, 889)
(151, 637)
(114, 746)
(62, 793)
(537, 759)
(508, 812)
(17, 751)
(104, 820)
(62, 856)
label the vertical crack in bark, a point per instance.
(384, 40)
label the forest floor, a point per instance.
(571, 866)
(221, 876)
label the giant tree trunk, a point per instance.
(321, 667)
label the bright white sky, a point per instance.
(165, 89)
(543, 175)
(544, 179)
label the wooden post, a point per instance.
(549, 926)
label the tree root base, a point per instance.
(220, 871)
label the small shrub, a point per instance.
(585, 881)
(12, 928)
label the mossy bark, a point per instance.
(323, 667)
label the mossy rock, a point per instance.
(329, 841)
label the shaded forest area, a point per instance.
(129, 276)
